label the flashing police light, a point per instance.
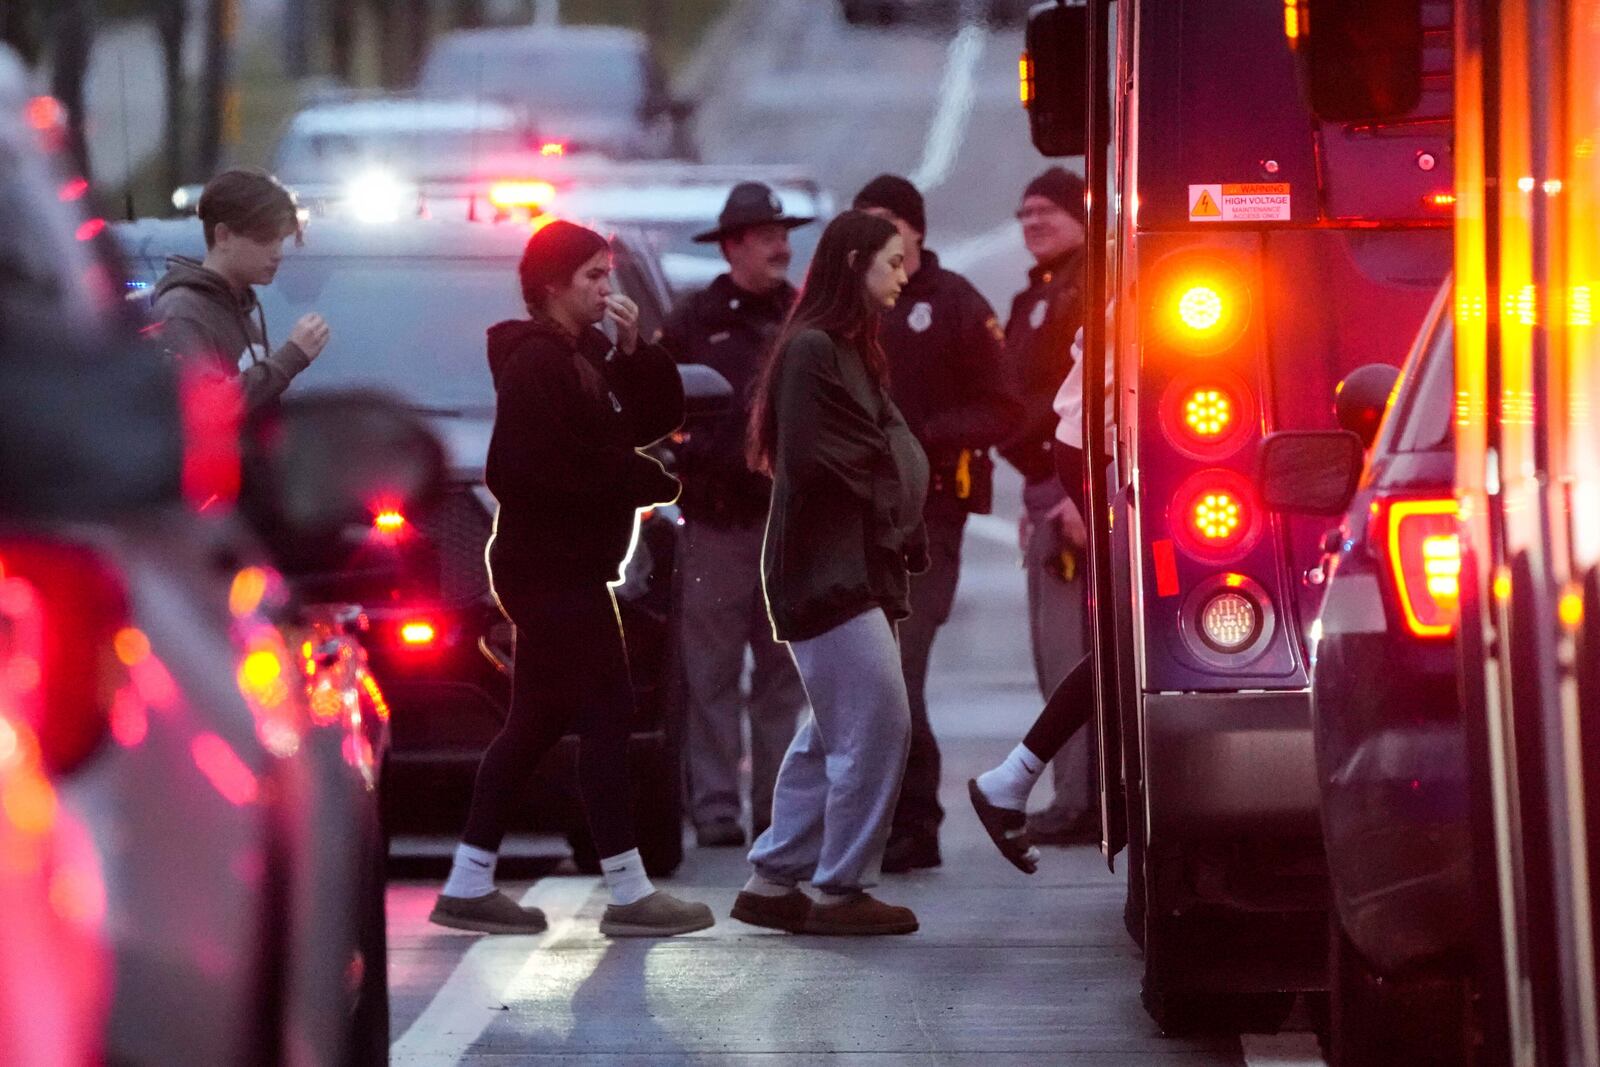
(521, 194)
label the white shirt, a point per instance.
(1069, 400)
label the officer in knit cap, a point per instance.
(730, 325)
(1044, 318)
(945, 373)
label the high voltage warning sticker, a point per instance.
(1257, 202)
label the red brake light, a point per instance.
(1209, 413)
(1214, 515)
(62, 609)
(389, 522)
(1424, 560)
(418, 633)
(520, 194)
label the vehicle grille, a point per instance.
(458, 528)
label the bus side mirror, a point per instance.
(1309, 472)
(1055, 87)
(1362, 397)
(1363, 57)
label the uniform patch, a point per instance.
(921, 317)
(1037, 315)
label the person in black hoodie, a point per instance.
(208, 312)
(572, 410)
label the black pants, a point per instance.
(1072, 703)
(932, 594)
(570, 675)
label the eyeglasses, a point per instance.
(1041, 212)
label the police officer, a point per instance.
(730, 325)
(1044, 318)
(945, 374)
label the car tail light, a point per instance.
(1424, 560)
(534, 194)
(553, 148)
(62, 609)
(418, 633)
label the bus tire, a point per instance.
(1420, 1019)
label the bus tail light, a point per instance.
(1423, 553)
(1214, 515)
(1230, 620)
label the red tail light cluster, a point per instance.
(62, 609)
(1423, 558)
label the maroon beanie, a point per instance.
(553, 256)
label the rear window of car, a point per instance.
(331, 157)
(1428, 411)
(543, 77)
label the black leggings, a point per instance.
(571, 674)
(1072, 703)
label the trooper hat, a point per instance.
(749, 204)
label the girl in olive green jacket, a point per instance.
(844, 532)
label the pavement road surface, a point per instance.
(1006, 969)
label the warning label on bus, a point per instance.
(1258, 202)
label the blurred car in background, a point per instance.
(192, 852)
(592, 88)
(1390, 743)
(409, 304)
(375, 153)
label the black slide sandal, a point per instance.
(1007, 829)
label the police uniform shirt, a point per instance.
(1039, 333)
(944, 342)
(729, 330)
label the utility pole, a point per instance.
(73, 38)
(171, 19)
(219, 98)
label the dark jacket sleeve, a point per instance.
(264, 382)
(650, 389)
(823, 432)
(550, 447)
(677, 332)
(990, 412)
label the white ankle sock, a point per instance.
(764, 887)
(625, 877)
(471, 872)
(1008, 785)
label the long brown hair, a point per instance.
(833, 299)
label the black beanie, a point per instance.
(553, 256)
(1060, 187)
(894, 193)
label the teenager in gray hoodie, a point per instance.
(208, 310)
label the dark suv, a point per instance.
(1390, 745)
(408, 305)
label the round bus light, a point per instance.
(1217, 517)
(1200, 308)
(1229, 621)
(1208, 413)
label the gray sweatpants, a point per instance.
(722, 613)
(840, 779)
